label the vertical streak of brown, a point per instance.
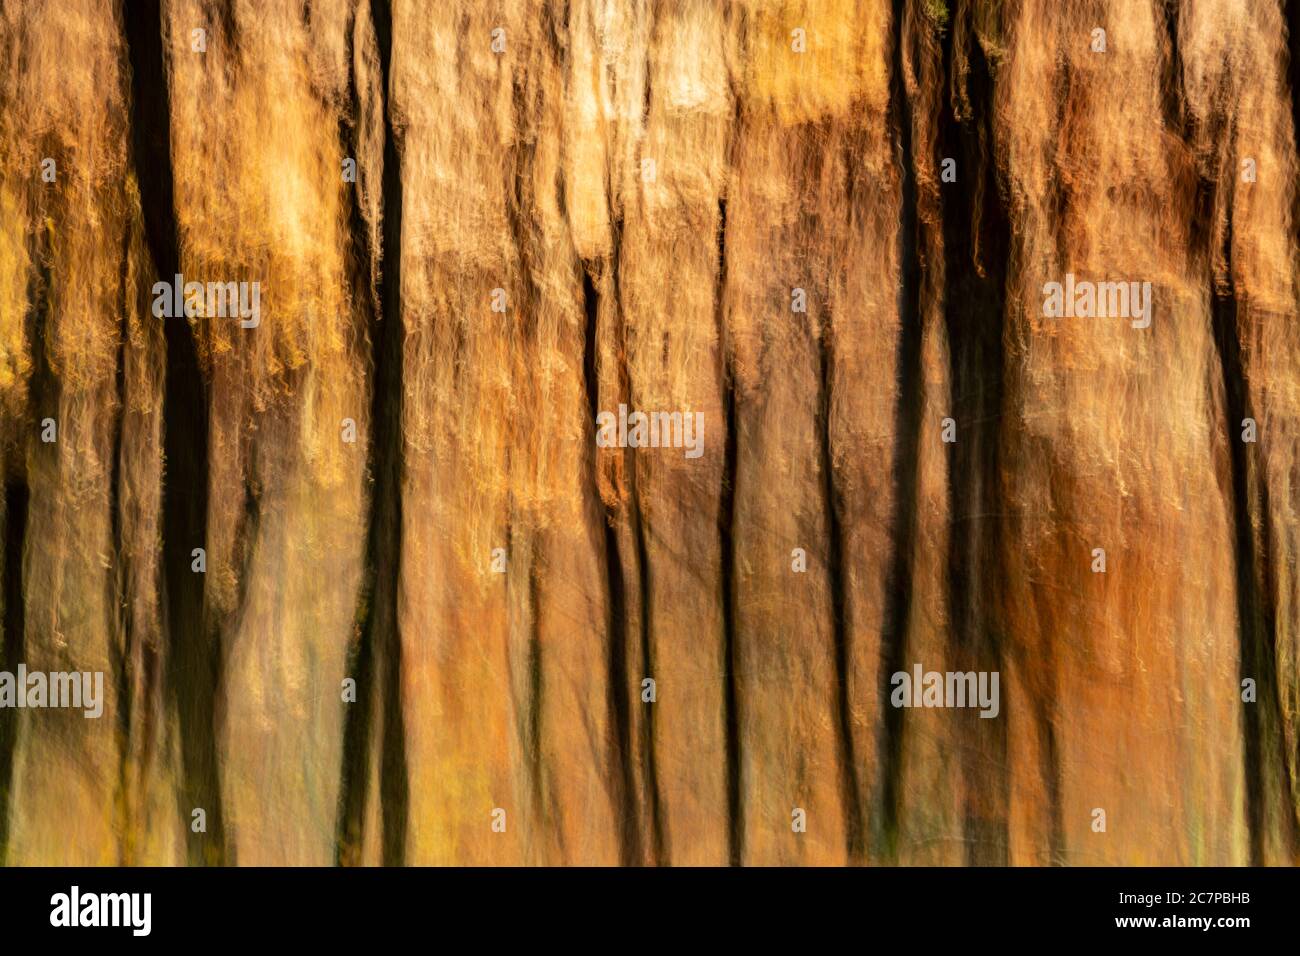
(976, 238)
(727, 542)
(380, 627)
(17, 497)
(195, 655)
(11, 638)
(1268, 785)
(618, 634)
(359, 720)
(854, 827)
(907, 425)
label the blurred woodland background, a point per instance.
(643, 184)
